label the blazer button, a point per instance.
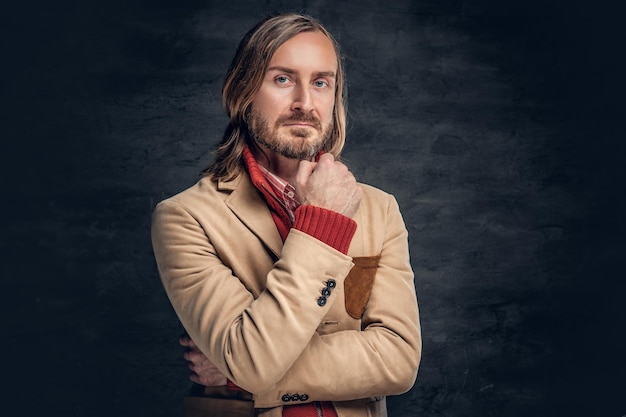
(331, 283)
(321, 301)
(326, 292)
(295, 397)
(286, 398)
(304, 397)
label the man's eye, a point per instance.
(321, 83)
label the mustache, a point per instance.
(301, 117)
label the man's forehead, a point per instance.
(311, 51)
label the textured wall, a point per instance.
(493, 123)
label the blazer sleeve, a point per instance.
(254, 342)
(383, 358)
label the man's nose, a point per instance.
(302, 99)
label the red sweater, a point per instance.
(332, 228)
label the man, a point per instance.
(291, 279)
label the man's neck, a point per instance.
(283, 167)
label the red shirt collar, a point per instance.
(278, 193)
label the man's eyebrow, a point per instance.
(330, 74)
(286, 70)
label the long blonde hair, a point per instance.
(244, 78)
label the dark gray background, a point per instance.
(495, 124)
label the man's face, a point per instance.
(292, 113)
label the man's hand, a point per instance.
(328, 184)
(203, 371)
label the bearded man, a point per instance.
(292, 281)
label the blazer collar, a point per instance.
(246, 202)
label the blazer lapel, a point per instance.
(248, 205)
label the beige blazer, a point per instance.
(251, 303)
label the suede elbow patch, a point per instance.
(358, 284)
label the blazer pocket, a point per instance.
(358, 284)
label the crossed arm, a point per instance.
(266, 344)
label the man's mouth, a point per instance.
(301, 121)
(300, 124)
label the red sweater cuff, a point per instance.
(330, 227)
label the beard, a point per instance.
(298, 143)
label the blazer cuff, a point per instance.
(330, 227)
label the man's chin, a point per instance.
(293, 146)
(301, 132)
(301, 155)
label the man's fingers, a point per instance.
(305, 169)
(194, 356)
(212, 380)
(329, 185)
(203, 371)
(326, 157)
(187, 342)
